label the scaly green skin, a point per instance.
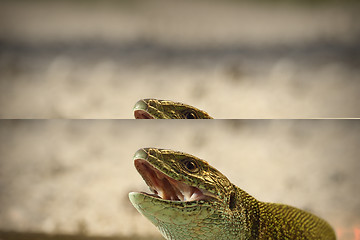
(164, 109)
(230, 214)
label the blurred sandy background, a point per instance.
(73, 176)
(234, 59)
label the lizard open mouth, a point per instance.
(167, 188)
(141, 114)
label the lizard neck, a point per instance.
(245, 211)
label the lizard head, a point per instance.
(164, 109)
(186, 190)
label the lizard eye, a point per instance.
(190, 115)
(191, 166)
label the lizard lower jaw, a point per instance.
(167, 188)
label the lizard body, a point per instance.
(193, 200)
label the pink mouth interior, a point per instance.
(141, 114)
(165, 187)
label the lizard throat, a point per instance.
(167, 188)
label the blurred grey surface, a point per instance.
(234, 59)
(74, 176)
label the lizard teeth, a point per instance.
(161, 194)
(184, 189)
(186, 195)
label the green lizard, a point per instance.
(193, 200)
(164, 109)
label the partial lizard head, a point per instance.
(165, 109)
(186, 192)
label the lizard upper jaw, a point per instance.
(166, 187)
